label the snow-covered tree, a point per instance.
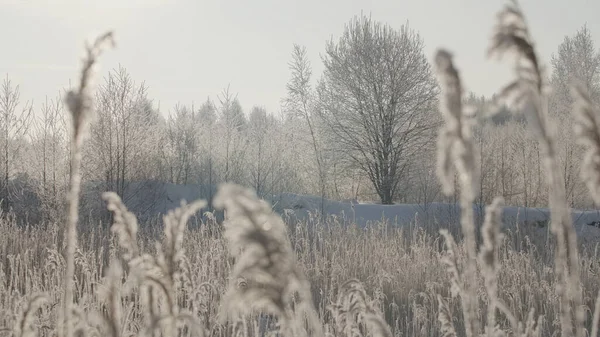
(123, 135)
(377, 98)
(232, 123)
(15, 121)
(300, 104)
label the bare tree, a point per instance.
(376, 97)
(262, 151)
(122, 137)
(577, 60)
(233, 122)
(527, 164)
(427, 188)
(50, 141)
(206, 119)
(299, 102)
(14, 124)
(286, 176)
(180, 149)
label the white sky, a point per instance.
(186, 50)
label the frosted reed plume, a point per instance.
(113, 318)
(354, 312)
(125, 227)
(24, 326)
(492, 239)
(157, 275)
(80, 104)
(445, 318)
(266, 275)
(170, 256)
(456, 149)
(587, 131)
(511, 35)
(596, 317)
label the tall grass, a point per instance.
(400, 270)
(258, 274)
(80, 104)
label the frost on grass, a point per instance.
(528, 90)
(265, 276)
(160, 276)
(25, 326)
(456, 151)
(587, 131)
(354, 311)
(80, 103)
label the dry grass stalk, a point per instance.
(587, 131)
(457, 149)
(24, 327)
(170, 256)
(157, 275)
(596, 317)
(445, 318)
(113, 318)
(125, 226)
(80, 104)
(265, 262)
(450, 260)
(528, 91)
(354, 312)
(492, 239)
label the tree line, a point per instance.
(365, 129)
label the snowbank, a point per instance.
(169, 196)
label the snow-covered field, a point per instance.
(437, 213)
(169, 196)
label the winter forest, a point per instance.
(122, 217)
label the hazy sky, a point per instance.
(187, 50)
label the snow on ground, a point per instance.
(169, 196)
(443, 214)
